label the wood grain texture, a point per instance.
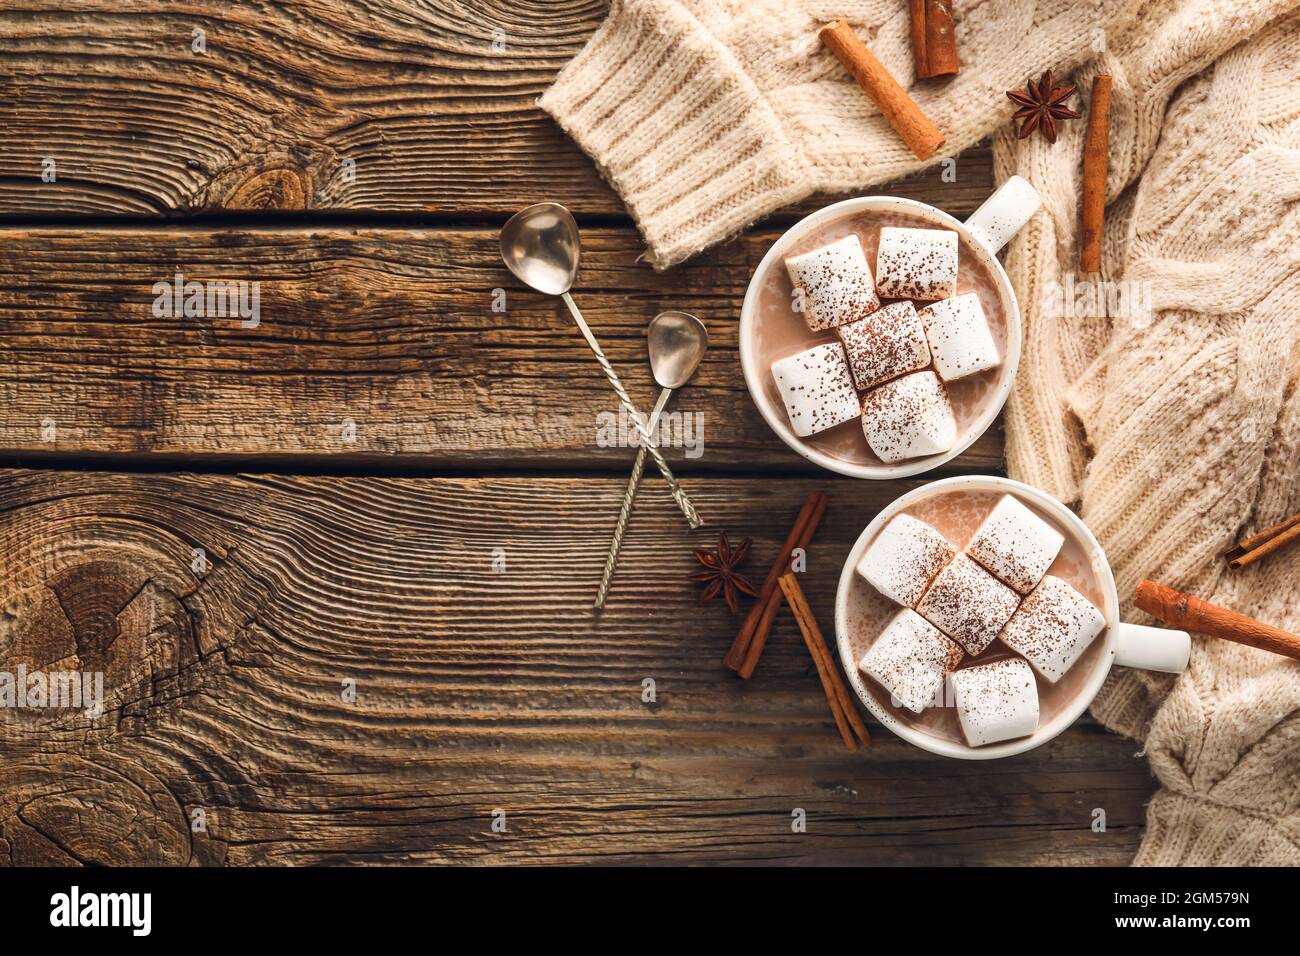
(391, 330)
(477, 689)
(342, 105)
(226, 611)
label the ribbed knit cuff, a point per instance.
(678, 128)
(1187, 830)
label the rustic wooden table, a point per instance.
(234, 524)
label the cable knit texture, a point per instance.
(1164, 403)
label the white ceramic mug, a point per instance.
(985, 232)
(1130, 645)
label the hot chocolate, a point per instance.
(783, 327)
(1060, 670)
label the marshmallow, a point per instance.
(910, 660)
(888, 344)
(1015, 544)
(904, 558)
(959, 337)
(909, 417)
(1052, 627)
(916, 263)
(995, 701)
(836, 284)
(817, 389)
(968, 604)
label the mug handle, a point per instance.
(1003, 213)
(1152, 648)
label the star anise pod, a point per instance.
(721, 576)
(1041, 105)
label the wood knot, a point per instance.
(282, 179)
(92, 596)
(71, 810)
(102, 617)
(276, 188)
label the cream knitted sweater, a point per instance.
(1169, 414)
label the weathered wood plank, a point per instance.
(392, 331)
(479, 687)
(396, 105)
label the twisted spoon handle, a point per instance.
(629, 497)
(647, 442)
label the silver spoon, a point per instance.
(678, 341)
(540, 246)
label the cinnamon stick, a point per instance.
(846, 715)
(1189, 613)
(920, 135)
(799, 532)
(1269, 541)
(934, 42)
(1096, 159)
(764, 628)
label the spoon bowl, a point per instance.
(540, 246)
(678, 341)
